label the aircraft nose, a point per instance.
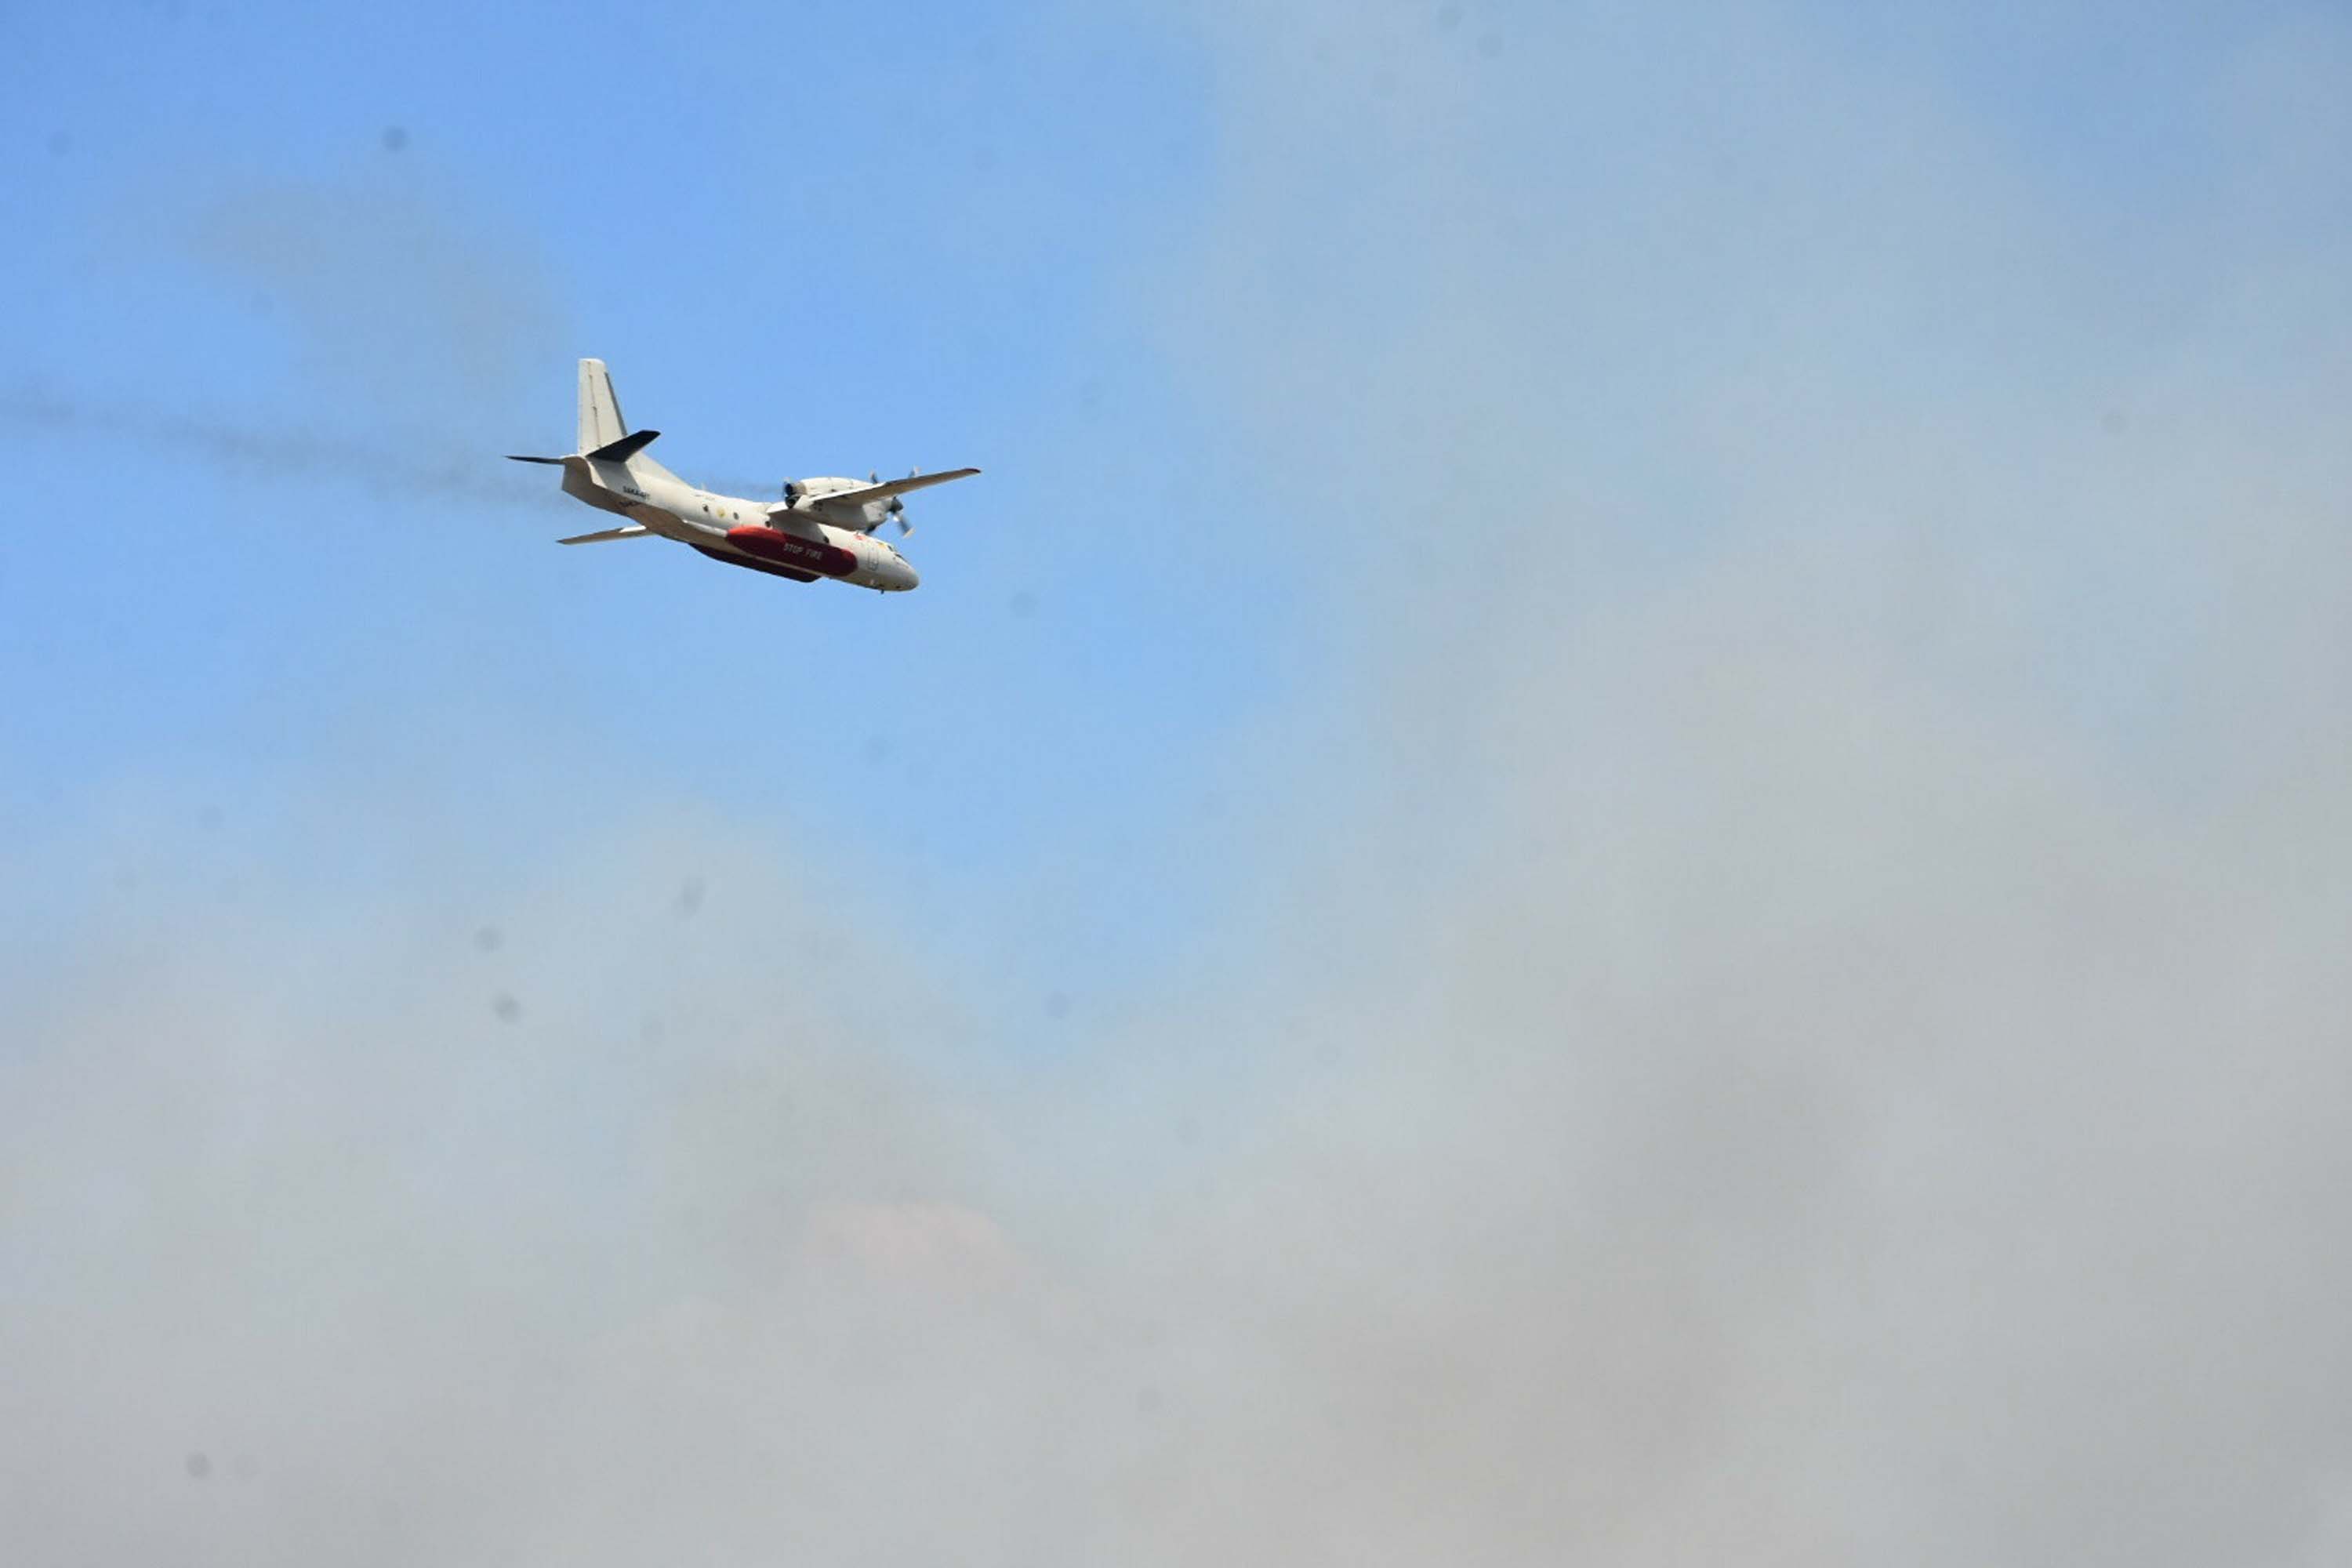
(914, 578)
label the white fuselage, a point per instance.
(822, 528)
(791, 541)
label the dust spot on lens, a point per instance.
(506, 1008)
(1022, 605)
(488, 938)
(1057, 1005)
(395, 139)
(689, 898)
(200, 1467)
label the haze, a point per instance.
(1617, 834)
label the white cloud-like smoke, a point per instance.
(1787, 1008)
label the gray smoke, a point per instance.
(412, 315)
(1782, 1001)
(448, 474)
(425, 312)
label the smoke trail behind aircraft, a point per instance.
(448, 474)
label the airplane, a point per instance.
(822, 527)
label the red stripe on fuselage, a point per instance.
(729, 558)
(791, 549)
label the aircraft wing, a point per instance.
(633, 531)
(889, 487)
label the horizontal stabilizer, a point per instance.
(889, 487)
(627, 446)
(633, 531)
(557, 462)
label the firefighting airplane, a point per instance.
(822, 528)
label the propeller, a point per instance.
(897, 506)
(897, 510)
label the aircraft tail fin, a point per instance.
(601, 424)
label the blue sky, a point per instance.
(1616, 833)
(811, 242)
(823, 241)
